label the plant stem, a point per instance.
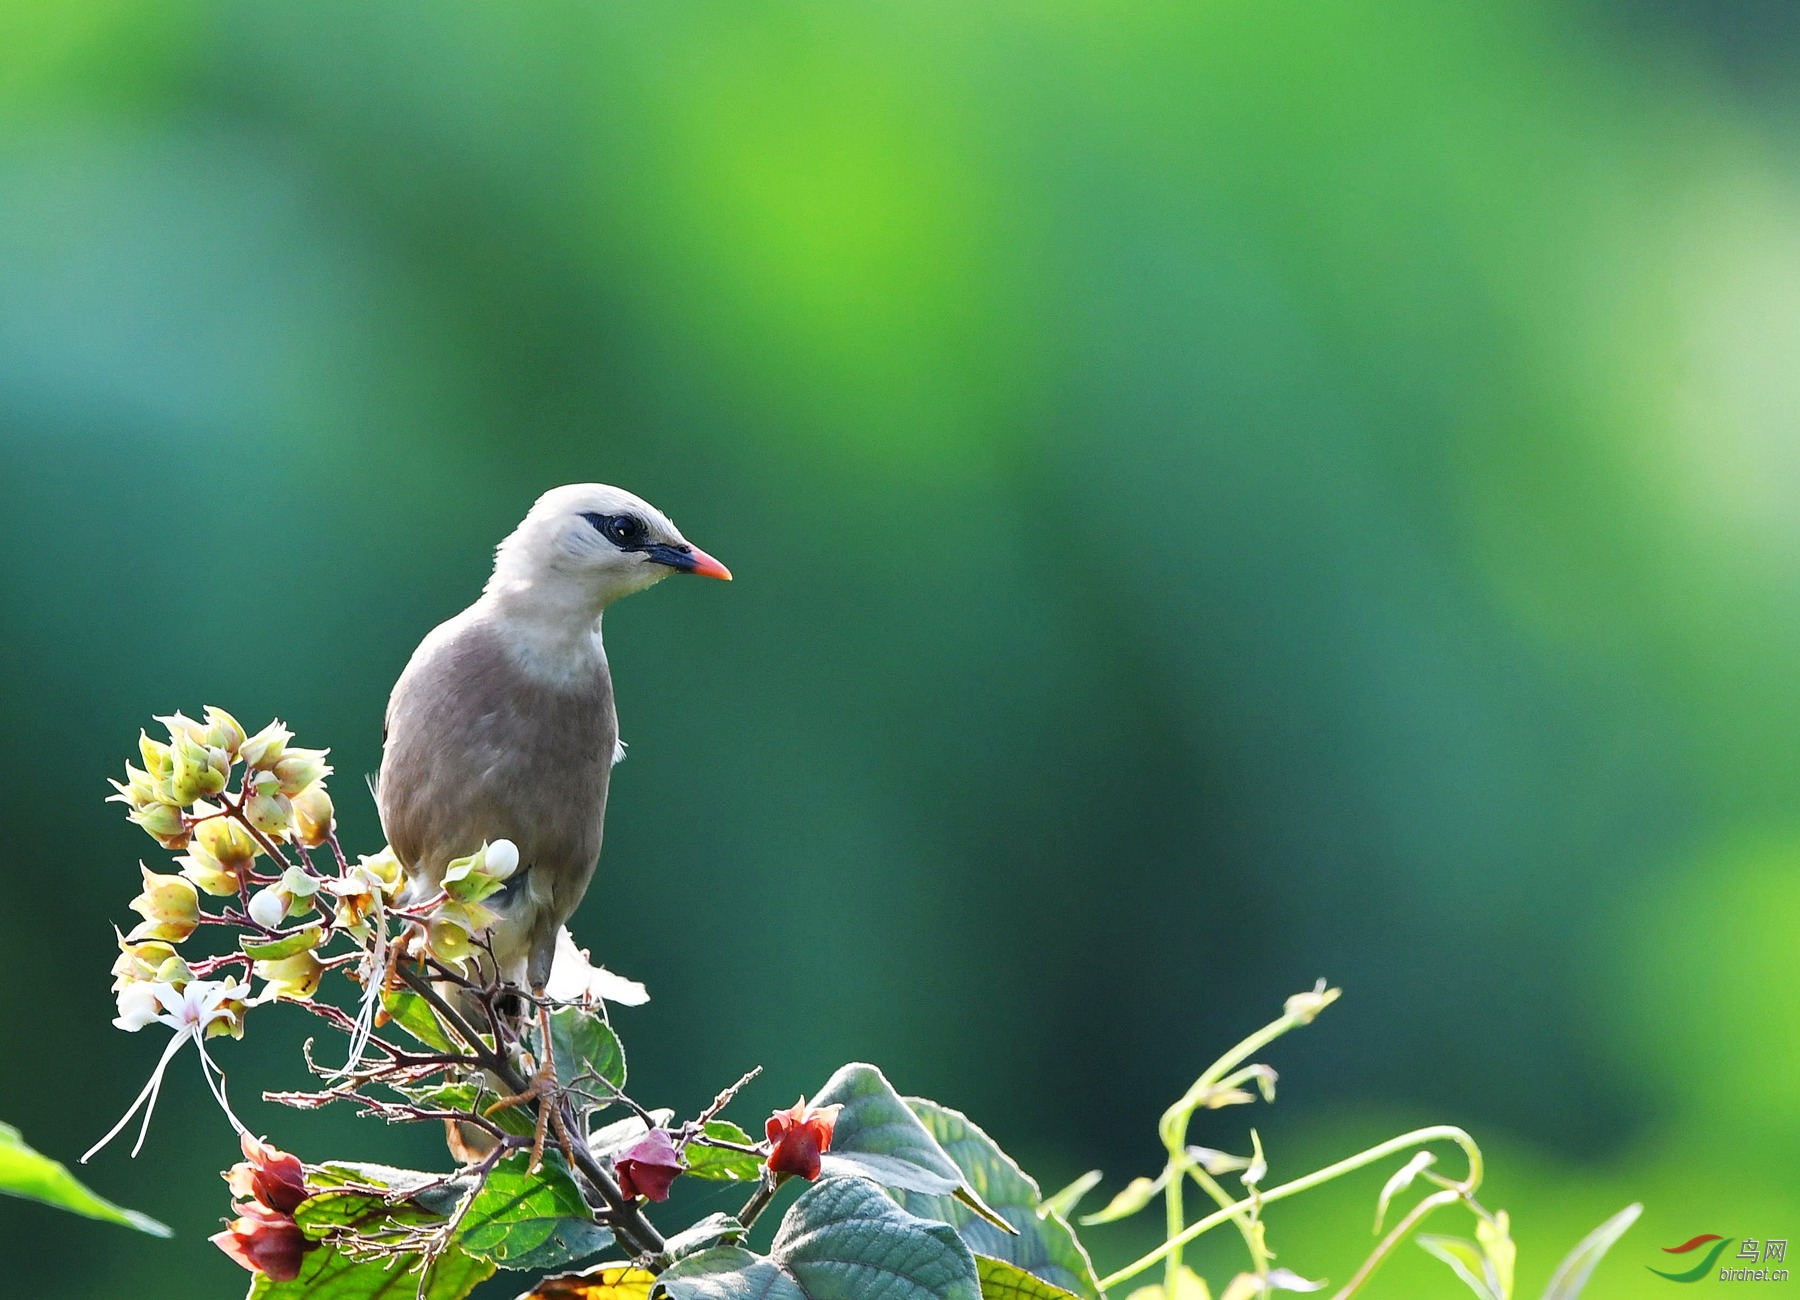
(1418, 1137)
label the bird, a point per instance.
(502, 725)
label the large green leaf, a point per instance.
(472, 1095)
(1003, 1281)
(842, 1240)
(521, 1219)
(585, 1046)
(877, 1136)
(24, 1172)
(328, 1275)
(1045, 1244)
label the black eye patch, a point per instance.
(627, 532)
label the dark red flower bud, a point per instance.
(271, 1177)
(650, 1166)
(265, 1242)
(800, 1136)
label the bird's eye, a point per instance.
(625, 529)
(620, 530)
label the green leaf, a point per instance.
(26, 1173)
(327, 1274)
(1402, 1179)
(1466, 1260)
(524, 1220)
(473, 1095)
(879, 1138)
(414, 1014)
(290, 946)
(719, 1163)
(585, 1044)
(1572, 1274)
(1042, 1242)
(842, 1240)
(710, 1231)
(1065, 1201)
(1003, 1281)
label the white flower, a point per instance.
(573, 978)
(190, 1011)
(137, 1006)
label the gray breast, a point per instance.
(478, 750)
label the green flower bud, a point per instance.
(294, 979)
(265, 747)
(228, 842)
(193, 775)
(298, 768)
(300, 889)
(313, 815)
(163, 824)
(135, 791)
(223, 730)
(268, 809)
(208, 872)
(156, 754)
(169, 905)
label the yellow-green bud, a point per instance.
(313, 814)
(138, 962)
(268, 809)
(298, 768)
(156, 754)
(223, 730)
(262, 749)
(193, 775)
(163, 824)
(137, 789)
(294, 979)
(228, 842)
(170, 908)
(208, 872)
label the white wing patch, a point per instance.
(618, 751)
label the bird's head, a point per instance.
(594, 543)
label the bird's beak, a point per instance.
(685, 557)
(703, 564)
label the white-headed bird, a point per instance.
(502, 725)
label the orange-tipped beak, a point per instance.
(707, 567)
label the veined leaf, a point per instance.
(602, 1282)
(586, 1051)
(414, 1014)
(290, 946)
(1041, 1241)
(710, 1231)
(521, 1219)
(1003, 1281)
(326, 1274)
(36, 1177)
(878, 1137)
(1572, 1274)
(472, 1095)
(842, 1240)
(722, 1163)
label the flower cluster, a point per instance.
(267, 1186)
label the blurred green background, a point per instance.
(1220, 494)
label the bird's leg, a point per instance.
(542, 1089)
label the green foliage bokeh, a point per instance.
(1219, 495)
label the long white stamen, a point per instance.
(147, 1095)
(208, 1068)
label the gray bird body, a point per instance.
(502, 725)
(481, 748)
